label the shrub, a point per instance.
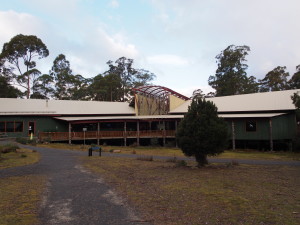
(22, 140)
(9, 148)
(23, 156)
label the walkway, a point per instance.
(74, 195)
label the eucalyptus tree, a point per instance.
(231, 76)
(18, 56)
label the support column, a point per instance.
(271, 135)
(138, 133)
(125, 134)
(233, 135)
(176, 125)
(70, 133)
(98, 133)
(164, 133)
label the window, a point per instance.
(11, 126)
(18, 126)
(2, 126)
(251, 126)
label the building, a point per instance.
(260, 120)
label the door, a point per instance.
(31, 128)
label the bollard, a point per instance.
(100, 149)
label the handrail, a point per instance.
(61, 136)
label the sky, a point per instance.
(174, 39)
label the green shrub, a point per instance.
(9, 148)
(22, 140)
(23, 156)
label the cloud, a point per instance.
(87, 51)
(114, 4)
(168, 59)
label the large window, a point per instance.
(11, 126)
(250, 126)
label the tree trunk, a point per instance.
(201, 160)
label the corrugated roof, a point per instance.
(266, 101)
(120, 117)
(11, 106)
(251, 115)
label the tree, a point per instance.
(202, 132)
(275, 80)
(294, 82)
(8, 91)
(231, 77)
(296, 100)
(67, 85)
(129, 77)
(18, 55)
(44, 87)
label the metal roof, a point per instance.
(266, 101)
(12, 106)
(157, 91)
(93, 118)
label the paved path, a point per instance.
(74, 195)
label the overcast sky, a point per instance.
(175, 39)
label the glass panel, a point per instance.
(250, 126)
(9, 126)
(2, 126)
(18, 126)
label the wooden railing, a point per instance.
(62, 136)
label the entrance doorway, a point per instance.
(31, 128)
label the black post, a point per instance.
(100, 149)
(90, 152)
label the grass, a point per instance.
(21, 157)
(176, 152)
(166, 194)
(19, 199)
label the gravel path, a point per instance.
(74, 195)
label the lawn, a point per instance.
(20, 196)
(21, 157)
(217, 194)
(165, 151)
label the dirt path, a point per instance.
(73, 194)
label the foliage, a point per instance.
(129, 77)
(231, 77)
(202, 132)
(294, 82)
(275, 80)
(7, 90)
(9, 148)
(18, 55)
(66, 85)
(296, 100)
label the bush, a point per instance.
(22, 140)
(23, 156)
(154, 142)
(9, 148)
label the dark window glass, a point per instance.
(2, 126)
(18, 126)
(250, 126)
(9, 126)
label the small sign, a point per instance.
(84, 129)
